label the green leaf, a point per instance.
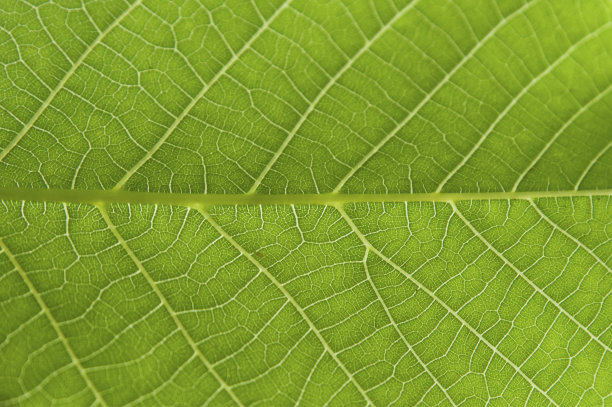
(306, 202)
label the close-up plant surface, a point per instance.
(298, 202)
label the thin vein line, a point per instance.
(65, 79)
(286, 293)
(194, 200)
(554, 138)
(323, 92)
(53, 322)
(309, 378)
(514, 101)
(566, 233)
(397, 330)
(591, 164)
(199, 96)
(527, 280)
(504, 21)
(368, 245)
(164, 301)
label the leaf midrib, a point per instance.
(196, 200)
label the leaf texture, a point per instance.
(306, 202)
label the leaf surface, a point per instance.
(306, 202)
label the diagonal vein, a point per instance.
(520, 273)
(323, 92)
(65, 79)
(164, 301)
(433, 295)
(286, 293)
(53, 322)
(397, 330)
(432, 93)
(590, 165)
(554, 138)
(570, 236)
(199, 96)
(518, 97)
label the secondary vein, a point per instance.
(47, 311)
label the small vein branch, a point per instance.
(524, 277)
(286, 293)
(397, 330)
(53, 322)
(433, 295)
(570, 236)
(65, 79)
(164, 301)
(179, 119)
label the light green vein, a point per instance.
(397, 330)
(53, 322)
(568, 235)
(179, 119)
(163, 300)
(366, 46)
(501, 256)
(194, 200)
(561, 130)
(288, 295)
(567, 54)
(433, 295)
(65, 79)
(468, 57)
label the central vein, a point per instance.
(193, 200)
